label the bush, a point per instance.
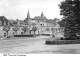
(23, 35)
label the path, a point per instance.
(35, 46)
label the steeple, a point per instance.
(42, 15)
(27, 18)
(28, 15)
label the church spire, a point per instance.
(42, 14)
(28, 15)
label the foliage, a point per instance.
(15, 29)
(62, 23)
(25, 29)
(34, 28)
(70, 9)
(6, 28)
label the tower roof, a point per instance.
(42, 15)
(28, 15)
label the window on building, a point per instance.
(4, 34)
(42, 24)
(22, 33)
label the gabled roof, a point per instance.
(3, 18)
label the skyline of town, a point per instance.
(28, 13)
(18, 9)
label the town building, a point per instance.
(4, 21)
(38, 25)
(44, 26)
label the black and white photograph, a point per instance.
(39, 27)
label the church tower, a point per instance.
(28, 15)
(42, 15)
(27, 18)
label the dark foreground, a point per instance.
(36, 45)
(61, 42)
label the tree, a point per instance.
(15, 29)
(34, 29)
(25, 29)
(70, 9)
(56, 20)
(62, 23)
(6, 29)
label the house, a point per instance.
(4, 21)
(43, 25)
(37, 25)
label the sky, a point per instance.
(17, 9)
